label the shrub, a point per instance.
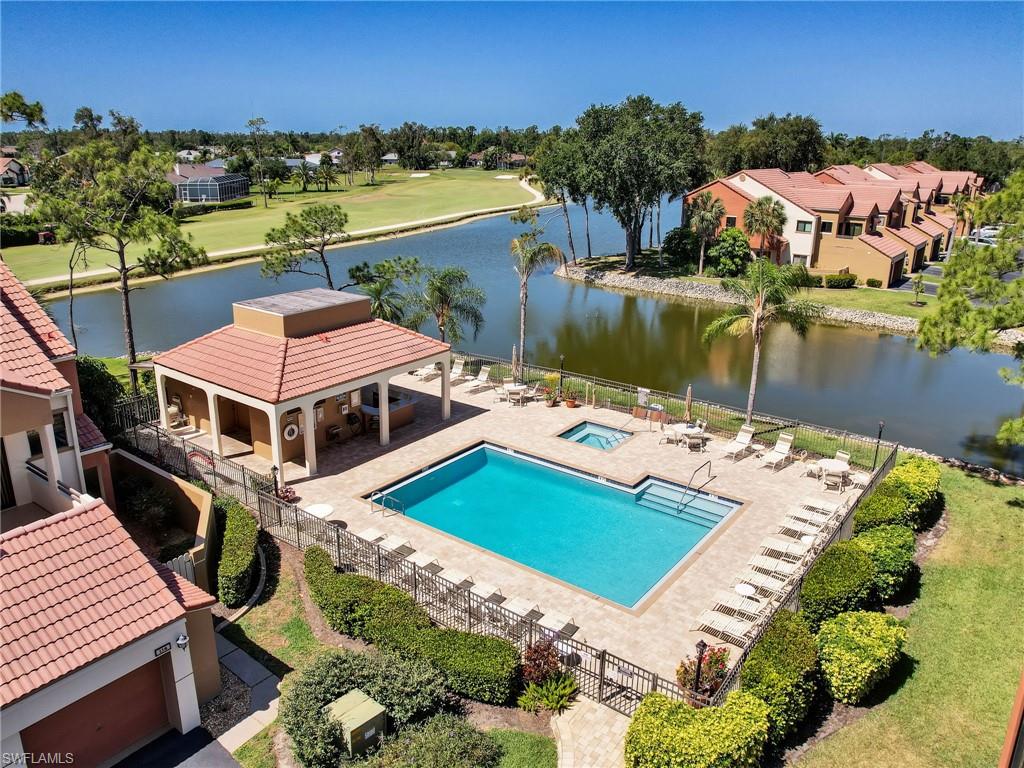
(681, 246)
(187, 210)
(237, 552)
(873, 282)
(144, 502)
(712, 671)
(857, 651)
(445, 741)
(100, 392)
(803, 278)
(840, 281)
(842, 579)
(672, 734)
(781, 670)
(918, 480)
(885, 506)
(555, 694)
(891, 549)
(20, 229)
(482, 668)
(540, 661)
(410, 691)
(730, 254)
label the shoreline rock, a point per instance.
(710, 292)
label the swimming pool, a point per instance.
(609, 539)
(596, 435)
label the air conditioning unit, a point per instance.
(362, 721)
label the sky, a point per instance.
(874, 68)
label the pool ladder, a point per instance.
(381, 499)
(684, 502)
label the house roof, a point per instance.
(89, 435)
(866, 197)
(801, 189)
(884, 245)
(188, 595)
(910, 235)
(7, 162)
(893, 171)
(29, 340)
(847, 173)
(75, 588)
(929, 227)
(725, 182)
(943, 221)
(920, 166)
(275, 368)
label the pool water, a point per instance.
(596, 435)
(608, 539)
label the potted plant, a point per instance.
(550, 398)
(570, 398)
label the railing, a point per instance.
(792, 598)
(722, 420)
(386, 502)
(139, 409)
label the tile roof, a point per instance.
(929, 227)
(29, 340)
(910, 235)
(884, 245)
(89, 435)
(847, 173)
(188, 595)
(893, 171)
(5, 163)
(274, 369)
(867, 196)
(920, 166)
(725, 182)
(802, 189)
(943, 221)
(74, 588)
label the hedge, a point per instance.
(918, 480)
(873, 282)
(410, 690)
(840, 281)
(20, 229)
(885, 506)
(479, 667)
(857, 651)
(891, 549)
(781, 670)
(445, 741)
(237, 552)
(841, 579)
(671, 734)
(187, 210)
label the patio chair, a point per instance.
(426, 372)
(834, 480)
(812, 469)
(456, 373)
(781, 454)
(746, 608)
(774, 566)
(784, 548)
(488, 592)
(425, 561)
(670, 436)
(396, 544)
(696, 440)
(557, 624)
(765, 584)
(843, 456)
(522, 607)
(460, 579)
(372, 535)
(741, 445)
(732, 629)
(482, 379)
(796, 527)
(826, 506)
(860, 479)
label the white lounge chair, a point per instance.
(781, 454)
(482, 379)
(732, 629)
(425, 372)
(456, 373)
(460, 579)
(426, 561)
(828, 506)
(372, 535)
(488, 592)
(765, 584)
(797, 527)
(395, 543)
(741, 445)
(746, 608)
(774, 566)
(522, 607)
(557, 623)
(784, 548)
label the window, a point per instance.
(60, 429)
(805, 226)
(730, 221)
(851, 229)
(880, 221)
(826, 227)
(35, 443)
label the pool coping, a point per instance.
(649, 597)
(630, 432)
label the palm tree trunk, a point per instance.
(700, 266)
(522, 330)
(126, 316)
(682, 210)
(586, 224)
(568, 227)
(761, 253)
(650, 229)
(659, 223)
(753, 379)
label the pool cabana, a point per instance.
(291, 374)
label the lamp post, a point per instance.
(561, 372)
(878, 443)
(702, 648)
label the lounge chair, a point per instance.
(766, 584)
(746, 608)
(426, 372)
(425, 561)
(482, 379)
(487, 592)
(826, 506)
(732, 629)
(372, 535)
(557, 624)
(796, 527)
(456, 372)
(521, 607)
(460, 579)
(781, 454)
(860, 479)
(784, 548)
(396, 544)
(741, 445)
(774, 566)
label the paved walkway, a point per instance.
(590, 735)
(264, 693)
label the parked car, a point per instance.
(976, 240)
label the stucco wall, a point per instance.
(863, 260)
(800, 243)
(202, 647)
(20, 412)
(193, 402)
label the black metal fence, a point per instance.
(721, 420)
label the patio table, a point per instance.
(834, 466)
(319, 510)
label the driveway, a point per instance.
(195, 749)
(929, 289)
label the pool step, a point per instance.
(677, 502)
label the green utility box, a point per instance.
(362, 721)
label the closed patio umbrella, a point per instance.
(515, 364)
(688, 416)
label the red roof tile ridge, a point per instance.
(192, 342)
(35, 525)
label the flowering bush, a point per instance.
(857, 651)
(712, 671)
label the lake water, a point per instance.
(848, 378)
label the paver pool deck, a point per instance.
(655, 635)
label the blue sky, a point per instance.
(859, 68)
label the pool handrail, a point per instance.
(380, 498)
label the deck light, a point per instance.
(182, 641)
(702, 648)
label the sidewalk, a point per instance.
(264, 693)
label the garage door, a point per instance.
(106, 722)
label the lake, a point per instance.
(848, 378)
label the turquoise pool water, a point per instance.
(596, 435)
(608, 539)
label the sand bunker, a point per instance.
(506, 176)
(418, 175)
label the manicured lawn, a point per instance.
(525, 750)
(396, 198)
(119, 367)
(258, 752)
(966, 646)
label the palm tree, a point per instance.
(326, 175)
(304, 174)
(385, 302)
(766, 296)
(961, 205)
(451, 299)
(528, 255)
(765, 217)
(706, 214)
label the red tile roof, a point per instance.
(188, 595)
(801, 189)
(89, 435)
(943, 221)
(867, 196)
(274, 368)
(884, 245)
(29, 340)
(920, 166)
(910, 235)
(74, 588)
(893, 171)
(5, 163)
(847, 173)
(929, 228)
